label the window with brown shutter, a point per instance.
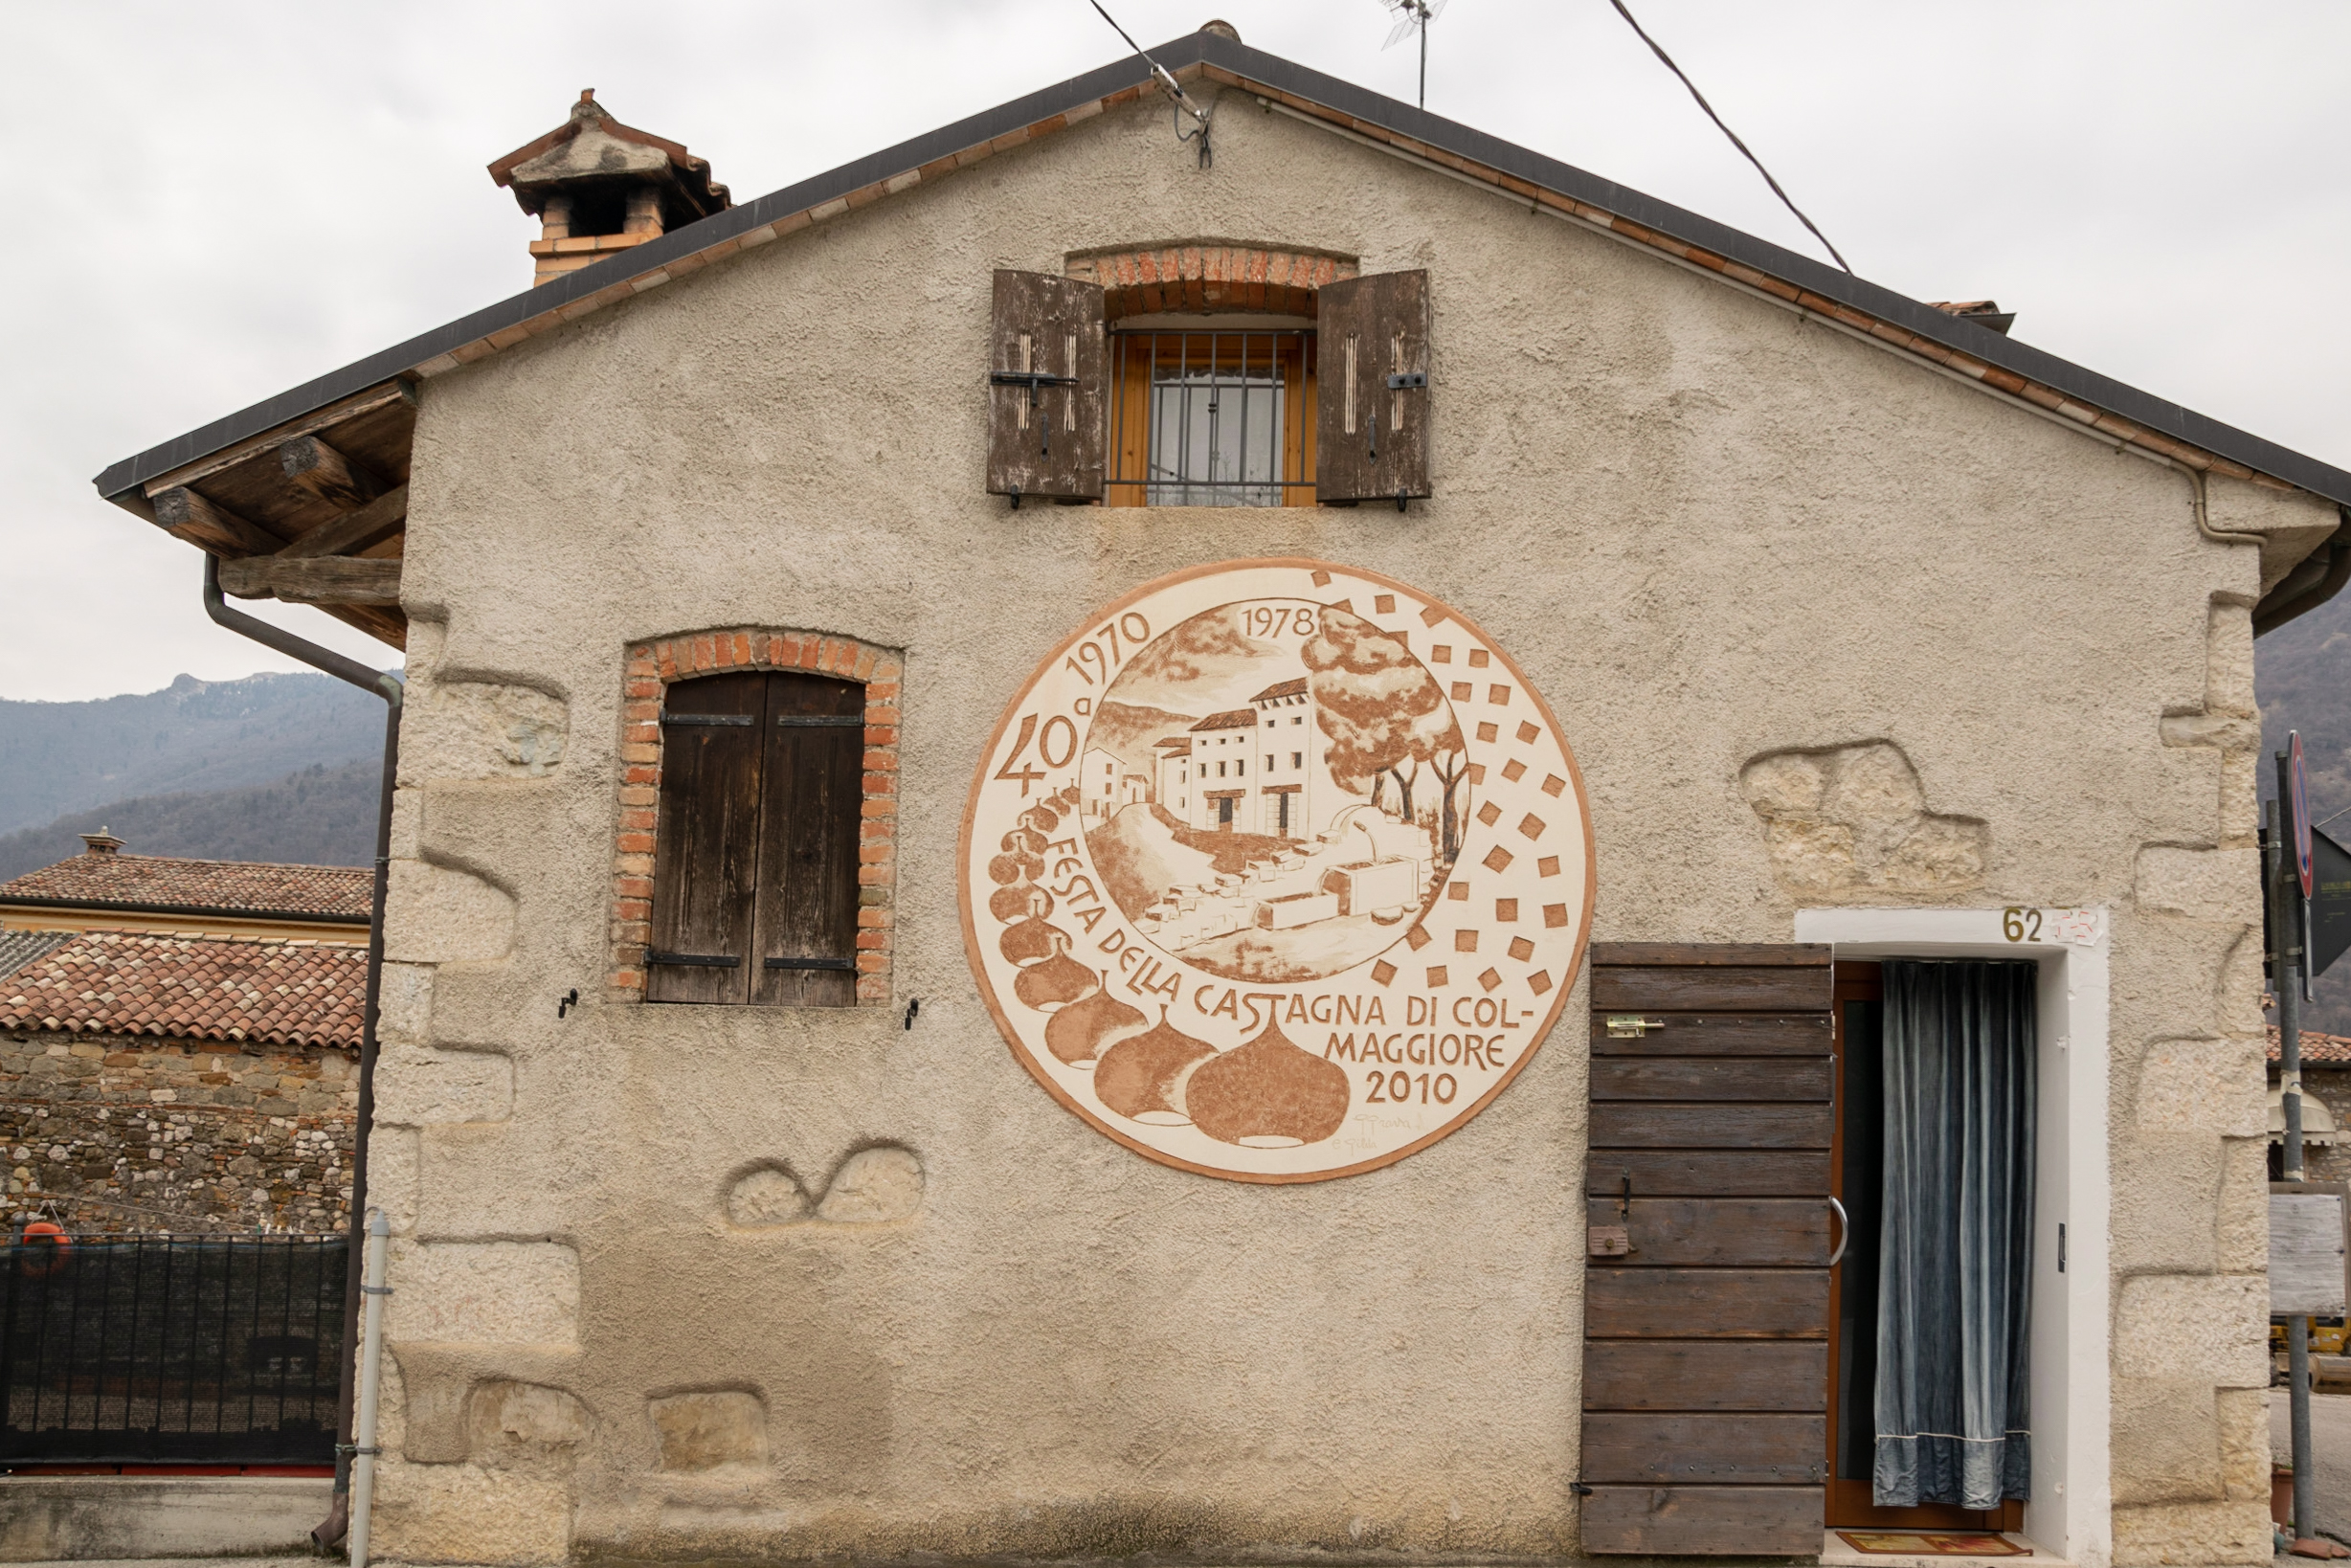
(755, 852)
(1371, 420)
(1046, 384)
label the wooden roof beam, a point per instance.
(313, 580)
(321, 472)
(354, 531)
(186, 514)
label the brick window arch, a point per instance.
(655, 673)
(1207, 276)
(1219, 411)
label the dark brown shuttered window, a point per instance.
(755, 872)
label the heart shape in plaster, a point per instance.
(878, 1185)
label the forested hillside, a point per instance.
(320, 816)
(66, 757)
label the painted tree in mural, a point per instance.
(1385, 717)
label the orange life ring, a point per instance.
(59, 1246)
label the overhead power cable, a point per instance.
(1725, 129)
(1176, 89)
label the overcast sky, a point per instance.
(213, 203)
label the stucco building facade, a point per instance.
(1862, 639)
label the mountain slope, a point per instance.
(65, 758)
(321, 816)
(2302, 672)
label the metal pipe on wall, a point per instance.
(386, 685)
(370, 1373)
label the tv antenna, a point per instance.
(1414, 16)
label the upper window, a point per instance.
(1221, 418)
(755, 853)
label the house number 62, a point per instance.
(2019, 925)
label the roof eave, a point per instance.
(2097, 401)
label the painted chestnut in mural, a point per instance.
(1317, 821)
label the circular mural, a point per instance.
(1276, 870)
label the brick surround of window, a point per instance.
(1208, 276)
(650, 667)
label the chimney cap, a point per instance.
(591, 147)
(1222, 29)
(100, 843)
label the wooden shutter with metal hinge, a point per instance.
(813, 792)
(1048, 368)
(705, 843)
(1372, 412)
(1706, 1286)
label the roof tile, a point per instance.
(239, 887)
(269, 992)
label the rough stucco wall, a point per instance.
(1710, 532)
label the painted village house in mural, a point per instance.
(1324, 872)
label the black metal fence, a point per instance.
(134, 1350)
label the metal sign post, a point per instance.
(2288, 881)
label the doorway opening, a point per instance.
(1858, 1162)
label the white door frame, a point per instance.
(2071, 1511)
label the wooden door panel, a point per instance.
(1712, 1077)
(814, 788)
(1704, 1521)
(1622, 1125)
(706, 840)
(1705, 1375)
(1705, 1172)
(1706, 1355)
(1751, 988)
(1692, 1450)
(1716, 1033)
(1718, 1302)
(1717, 1232)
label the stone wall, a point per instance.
(115, 1132)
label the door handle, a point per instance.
(1845, 1228)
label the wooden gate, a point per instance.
(1706, 1294)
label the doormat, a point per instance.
(1931, 1543)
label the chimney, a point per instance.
(100, 843)
(597, 185)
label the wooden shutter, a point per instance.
(706, 846)
(1046, 441)
(1371, 417)
(813, 793)
(1706, 1344)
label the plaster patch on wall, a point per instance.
(2208, 1327)
(472, 729)
(1849, 818)
(704, 1431)
(507, 1420)
(436, 915)
(485, 1294)
(2200, 884)
(2201, 1085)
(419, 1086)
(880, 1185)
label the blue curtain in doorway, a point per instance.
(1954, 1264)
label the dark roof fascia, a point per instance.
(2156, 414)
(207, 911)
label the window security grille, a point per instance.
(1212, 418)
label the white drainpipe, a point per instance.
(371, 1376)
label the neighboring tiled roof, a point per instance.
(1285, 688)
(2327, 1050)
(17, 949)
(252, 889)
(192, 988)
(1238, 718)
(1175, 746)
